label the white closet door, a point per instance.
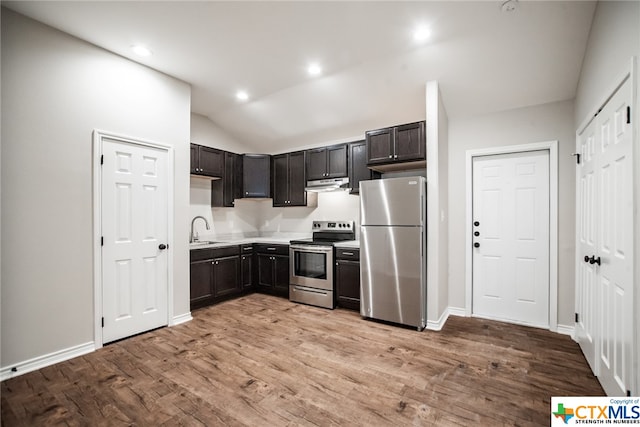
(135, 231)
(586, 326)
(615, 244)
(604, 282)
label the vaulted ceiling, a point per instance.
(373, 72)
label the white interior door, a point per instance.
(587, 215)
(134, 231)
(511, 237)
(605, 260)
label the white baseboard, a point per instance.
(437, 325)
(182, 318)
(566, 330)
(45, 360)
(457, 311)
(449, 311)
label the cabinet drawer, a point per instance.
(262, 248)
(200, 254)
(348, 253)
(226, 251)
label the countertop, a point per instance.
(351, 244)
(276, 239)
(224, 241)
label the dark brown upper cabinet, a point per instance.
(327, 162)
(389, 147)
(358, 170)
(207, 161)
(288, 174)
(256, 176)
(224, 191)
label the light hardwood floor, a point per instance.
(264, 361)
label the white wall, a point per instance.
(205, 132)
(526, 125)
(338, 205)
(241, 219)
(56, 90)
(613, 40)
(437, 124)
(259, 217)
(443, 202)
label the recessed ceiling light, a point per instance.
(314, 69)
(141, 50)
(242, 95)
(421, 34)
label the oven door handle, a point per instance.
(311, 249)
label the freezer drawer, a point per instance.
(392, 275)
(311, 296)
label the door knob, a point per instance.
(476, 245)
(594, 260)
(162, 246)
(586, 258)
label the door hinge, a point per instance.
(629, 393)
(576, 317)
(628, 114)
(103, 322)
(102, 159)
(101, 240)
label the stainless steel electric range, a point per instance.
(311, 263)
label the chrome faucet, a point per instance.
(194, 236)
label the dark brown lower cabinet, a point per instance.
(226, 276)
(347, 276)
(273, 269)
(222, 273)
(201, 283)
(247, 265)
(214, 275)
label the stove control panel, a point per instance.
(337, 226)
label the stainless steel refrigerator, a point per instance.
(393, 250)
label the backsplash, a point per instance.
(260, 218)
(336, 205)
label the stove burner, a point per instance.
(327, 232)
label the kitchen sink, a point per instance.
(205, 242)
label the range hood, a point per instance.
(332, 184)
